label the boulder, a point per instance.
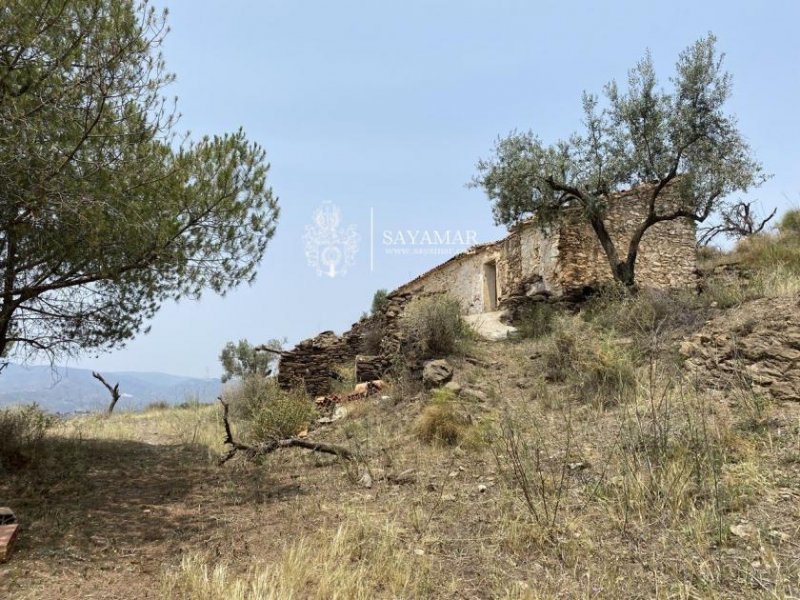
(436, 373)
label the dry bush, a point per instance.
(268, 411)
(590, 361)
(535, 320)
(157, 405)
(672, 452)
(727, 291)
(536, 474)
(647, 313)
(790, 224)
(768, 251)
(22, 429)
(443, 421)
(371, 340)
(433, 326)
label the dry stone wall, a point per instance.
(667, 254)
(311, 362)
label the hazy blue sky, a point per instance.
(387, 106)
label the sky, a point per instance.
(376, 113)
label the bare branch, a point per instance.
(253, 452)
(114, 391)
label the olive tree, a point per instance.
(242, 359)
(106, 210)
(640, 135)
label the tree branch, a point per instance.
(253, 452)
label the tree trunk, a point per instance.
(114, 391)
(623, 271)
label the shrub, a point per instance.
(535, 320)
(726, 291)
(764, 251)
(371, 340)
(22, 430)
(790, 223)
(379, 300)
(268, 411)
(442, 421)
(645, 314)
(591, 362)
(434, 327)
(157, 405)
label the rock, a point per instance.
(743, 530)
(473, 394)
(366, 480)
(9, 529)
(436, 373)
(453, 387)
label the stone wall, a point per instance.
(461, 277)
(667, 253)
(310, 363)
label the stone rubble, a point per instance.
(754, 347)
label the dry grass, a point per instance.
(593, 364)
(668, 492)
(443, 420)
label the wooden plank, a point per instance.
(8, 535)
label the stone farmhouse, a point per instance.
(564, 262)
(528, 264)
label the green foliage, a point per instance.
(433, 326)
(22, 430)
(268, 411)
(642, 135)
(107, 211)
(591, 362)
(379, 301)
(242, 360)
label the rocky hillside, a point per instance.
(756, 345)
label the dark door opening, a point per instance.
(490, 286)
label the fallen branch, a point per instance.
(252, 452)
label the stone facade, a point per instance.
(529, 262)
(565, 261)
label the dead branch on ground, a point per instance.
(252, 452)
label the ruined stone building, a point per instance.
(564, 261)
(560, 263)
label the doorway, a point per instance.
(490, 286)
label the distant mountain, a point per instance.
(67, 390)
